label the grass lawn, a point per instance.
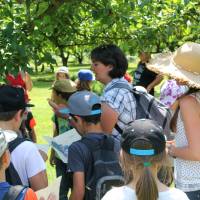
(42, 111)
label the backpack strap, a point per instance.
(13, 144)
(56, 124)
(12, 175)
(120, 86)
(14, 192)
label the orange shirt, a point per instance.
(30, 195)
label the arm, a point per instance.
(190, 112)
(39, 181)
(78, 191)
(109, 118)
(28, 81)
(155, 82)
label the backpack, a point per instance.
(14, 192)
(12, 176)
(148, 107)
(106, 171)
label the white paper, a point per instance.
(51, 189)
(62, 142)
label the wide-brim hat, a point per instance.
(183, 65)
(67, 86)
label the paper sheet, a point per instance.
(62, 142)
(53, 189)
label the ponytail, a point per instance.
(146, 186)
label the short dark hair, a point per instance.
(7, 116)
(111, 55)
(93, 119)
(64, 95)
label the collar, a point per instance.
(111, 83)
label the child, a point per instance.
(61, 91)
(170, 92)
(85, 78)
(62, 73)
(143, 153)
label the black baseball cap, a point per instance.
(12, 98)
(146, 130)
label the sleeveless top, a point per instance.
(187, 173)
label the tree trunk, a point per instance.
(62, 55)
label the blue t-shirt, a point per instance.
(80, 158)
(4, 187)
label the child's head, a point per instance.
(85, 78)
(171, 91)
(5, 137)
(62, 73)
(62, 90)
(143, 153)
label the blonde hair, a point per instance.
(146, 186)
(83, 85)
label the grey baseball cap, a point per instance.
(6, 136)
(81, 103)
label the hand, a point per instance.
(44, 155)
(52, 158)
(171, 148)
(50, 197)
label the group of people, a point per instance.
(109, 124)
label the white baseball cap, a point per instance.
(63, 69)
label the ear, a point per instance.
(18, 115)
(110, 67)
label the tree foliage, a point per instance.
(35, 31)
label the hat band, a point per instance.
(140, 152)
(95, 112)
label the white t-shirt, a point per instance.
(27, 161)
(126, 193)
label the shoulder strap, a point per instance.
(13, 144)
(56, 124)
(120, 85)
(14, 192)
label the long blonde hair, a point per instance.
(146, 186)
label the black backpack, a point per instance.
(148, 107)
(106, 171)
(12, 176)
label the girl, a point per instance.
(142, 154)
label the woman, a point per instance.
(184, 66)
(109, 65)
(142, 154)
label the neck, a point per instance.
(93, 128)
(2, 176)
(7, 125)
(107, 80)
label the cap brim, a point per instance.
(30, 105)
(64, 111)
(164, 64)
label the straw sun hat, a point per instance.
(183, 65)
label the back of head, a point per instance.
(111, 55)
(12, 100)
(85, 104)
(143, 145)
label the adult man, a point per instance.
(25, 157)
(85, 112)
(143, 76)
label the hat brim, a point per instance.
(29, 105)
(164, 64)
